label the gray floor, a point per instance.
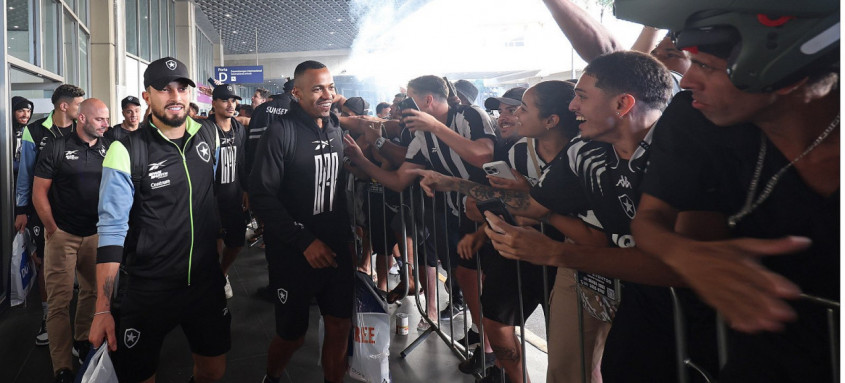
(252, 328)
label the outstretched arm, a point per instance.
(588, 37)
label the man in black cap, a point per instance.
(131, 110)
(166, 248)
(355, 106)
(230, 176)
(507, 121)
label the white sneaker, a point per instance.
(41, 338)
(228, 289)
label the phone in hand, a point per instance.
(498, 169)
(497, 207)
(452, 91)
(407, 103)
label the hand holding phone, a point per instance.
(497, 207)
(498, 169)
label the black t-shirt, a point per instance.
(75, 169)
(116, 133)
(230, 177)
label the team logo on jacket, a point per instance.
(131, 337)
(71, 155)
(204, 151)
(102, 151)
(628, 205)
(283, 295)
(171, 64)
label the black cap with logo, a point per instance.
(512, 97)
(129, 100)
(165, 70)
(224, 92)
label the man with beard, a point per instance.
(157, 225)
(131, 110)
(65, 193)
(60, 122)
(230, 176)
(296, 189)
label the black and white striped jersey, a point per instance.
(428, 150)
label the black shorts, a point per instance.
(442, 244)
(36, 233)
(295, 282)
(500, 295)
(146, 317)
(232, 223)
(382, 237)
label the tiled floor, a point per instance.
(252, 329)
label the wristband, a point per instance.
(102, 312)
(380, 142)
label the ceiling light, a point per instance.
(11, 7)
(228, 15)
(16, 27)
(235, 32)
(331, 33)
(339, 19)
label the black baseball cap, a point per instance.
(512, 97)
(358, 105)
(129, 100)
(19, 102)
(165, 70)
(224, 92)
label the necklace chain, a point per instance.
(750, 203)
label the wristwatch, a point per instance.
(380, 142)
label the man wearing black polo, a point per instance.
(65, 195)
(157, 224)
(131, 109)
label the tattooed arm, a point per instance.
(518, 202)
(103, 325)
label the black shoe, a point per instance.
(495, 375)
(473, 365)
(64, 376)
(470, 339)
(80, 350)
(451, 311)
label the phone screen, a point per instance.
(497, 207)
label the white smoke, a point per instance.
(399, 40)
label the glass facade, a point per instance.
(205, 57)
(20, 28)
(150, 30)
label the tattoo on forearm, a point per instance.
(108, 288)
(516, 200)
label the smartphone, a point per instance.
(498, 169)
(497, 207)
(407, 103)
(452, 91)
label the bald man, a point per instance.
(65, 194)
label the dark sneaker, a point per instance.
(471, 339)
(80, 350)
(41, 338)
(495, 375)
(451, 311)
(473, 365)
(64, 376)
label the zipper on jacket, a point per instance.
(190, 197)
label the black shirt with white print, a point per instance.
(296, 187)
(75, 170)
(230, 177)
(428, 150)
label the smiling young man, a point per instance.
(231, 176)
(130, 107)
(65, 194)
(307, 233)
(759, 150)
(157, 224)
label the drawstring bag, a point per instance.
(22, 269)
(370, 334)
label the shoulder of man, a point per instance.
(580, 150)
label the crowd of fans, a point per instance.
(697, 172)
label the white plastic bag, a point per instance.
(371, 347)
(100, 368)
(22, 270)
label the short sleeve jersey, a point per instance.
(426, 149)
(75, 170)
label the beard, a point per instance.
(171, 122)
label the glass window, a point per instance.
(83, 61)
(204, 56)
(164, 28)
(19, 27)
(132, 26)
(50, 36)
(144, 34)
(70, 72)
(155, 30)
(172, 24)
(82, 12)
